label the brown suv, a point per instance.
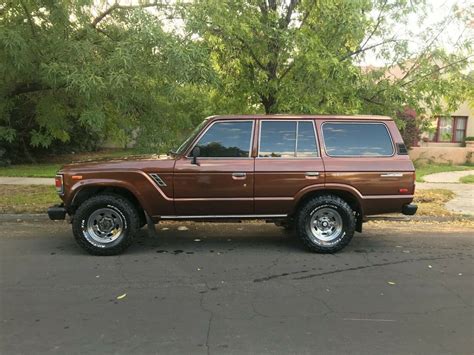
(321, 175)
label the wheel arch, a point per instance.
(85, 192)
(348, 194)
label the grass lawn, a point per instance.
(469, 179)
(34, 170)
(27, 199)
(427, 169)
(49, 169)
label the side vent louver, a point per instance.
(402, 149)
(159, 181)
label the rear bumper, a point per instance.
(57, 212)
(409, 209)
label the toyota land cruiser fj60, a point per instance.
(320, 175)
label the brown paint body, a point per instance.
(251, 186)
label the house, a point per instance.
(451, 131)
(445, 142)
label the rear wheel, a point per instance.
(325, 224)
(105, 224)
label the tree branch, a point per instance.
(438, 70)
(27, 88)
(360, 50)
(425, 50)
(116, 6)
(306, 15)
(379, 20)
(289, 12)
(30, 19)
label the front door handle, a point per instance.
(239, 176)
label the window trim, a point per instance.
(316, 141)
(453, 130)
(358, 156)
(198, 138)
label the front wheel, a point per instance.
(326, 224)
(105, 224)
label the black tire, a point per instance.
(328, 208)
(122, 213)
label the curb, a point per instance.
(422, 218)
(26, 217)
(41, 217)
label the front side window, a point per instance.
(357, 139)
(287, 139)
(226, 140)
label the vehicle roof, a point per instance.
(289, 116)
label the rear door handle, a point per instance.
(391, 175)
(239, 176)
(312, 175)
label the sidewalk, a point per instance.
(26, 181)
(464, 200)
(448, 177)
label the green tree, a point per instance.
(79, 72)
(305, 56)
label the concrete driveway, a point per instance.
(238, 289)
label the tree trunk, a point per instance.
(270, 104)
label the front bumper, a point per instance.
(409, 209)
(57, 212)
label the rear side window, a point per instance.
(227, 140)
(287, 139)
(357, 139)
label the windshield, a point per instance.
(182, 148)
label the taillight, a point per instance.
(59, 183)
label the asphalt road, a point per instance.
(238, 288)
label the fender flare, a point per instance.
(77, 188)
(331, 187)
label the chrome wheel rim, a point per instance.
(105, 225)
(325, 224)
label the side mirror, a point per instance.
(195, 153)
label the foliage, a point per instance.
(76, 73)
(73, 77)
(469, 139)
(304, 56)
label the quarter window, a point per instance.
(306, 143)
(226, 140)
(287, 139)
(357, 139)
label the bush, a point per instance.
(469, 139)
(409, 127)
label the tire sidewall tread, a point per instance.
(317, 203)
(119, 204)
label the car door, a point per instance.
(221, 183)
(288, 162)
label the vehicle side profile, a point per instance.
(321, 175)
